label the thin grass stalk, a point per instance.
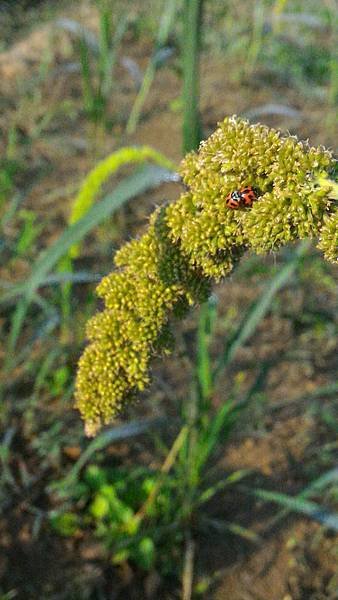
(332, 95)
(192, 32)
(164, 30)
(105, 37)
(96, 92)
(66, 266)
(259, 308)
(257, 38)
(188, 567)
(109, 45)
(208, 315)
(191, 139)
(167, 465)
(87, 89)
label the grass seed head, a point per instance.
(194, 241)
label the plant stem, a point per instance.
(192, 132)
(188, 569)
(167, 465)
(166, 23)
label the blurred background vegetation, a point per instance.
(221, 481)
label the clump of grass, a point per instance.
(195, 241)
(97, 68)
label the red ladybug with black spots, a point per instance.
(239, 198)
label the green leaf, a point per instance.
(219, 427)
(318, 485)
(121, 556)
(167, 20)
(65, 524)
(95, 477)
(105, 169)
(232, 479)
(100, 506)
(298, 504)
(145, 553)
(206, 325)
(243, 532)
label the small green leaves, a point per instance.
(65, 524)
(145, 553)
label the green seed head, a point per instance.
(194, 241)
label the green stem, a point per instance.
(192, 131)
(66, 266)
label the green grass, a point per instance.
(98, 57)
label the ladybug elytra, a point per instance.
(243, 197)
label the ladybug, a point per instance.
(243, 197)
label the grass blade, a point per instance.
(222, 527)
(243, 532)
(192, 131)
(212, 490)
(109, 55)
(316, 486)
(206, 324)
(298, 504)
(322, 391)
(80, 32)
(321, 483)
(69, 277)
(165, 468)
(220, 425)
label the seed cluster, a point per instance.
(291, 203)
(197, 240)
